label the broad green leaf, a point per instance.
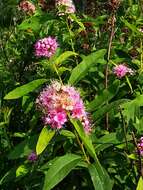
(82, 69)
(60, 169)
(84, 137)
(100, 178)
(64, 56)
(22, 170)
(30, 23)
(67, 133)
(25, 89)
(44, 139)
(24, 148)
(140, 184)
(106, 95)
(100, 113)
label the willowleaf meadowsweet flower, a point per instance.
(65, 6)
(140, 146)
(122, 70)
(57, 101)
(46, 47)
(32, 157)
(27, 7)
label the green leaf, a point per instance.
(24, 89)
(82, 69)
(24, 148)
(84, 137)
(64, 56)
(106, 95)
(30, 23)
(100, 178)
(140, 184)
(44, 139)
(60, 169)
(22, 170)
(67, 133)
(100, 113)
(131, 108)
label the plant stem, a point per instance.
(56, 70)
(72, 44)
(141, 64)
(82, 148)
(108, 59)
(139, 155)
(124, 128)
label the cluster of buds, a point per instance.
(140, 146)
(57, 102)
(27, 7)
(46, 47)
(65, 6)
(122, 70)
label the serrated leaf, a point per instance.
(24, 89)
(44, 139)
(82, 69)
(60, 169)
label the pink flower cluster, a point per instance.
(65, 6)
(121, 70)
(57, 101)
(27, 7)
(46, 47)
(140, 146)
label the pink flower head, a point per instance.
(46, 47)
(121, 70)
(140, 146)
(56, 101)
(27, 7)
(65, 6)
(32, 157)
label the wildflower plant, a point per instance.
(57, 78)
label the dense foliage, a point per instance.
(71, 97)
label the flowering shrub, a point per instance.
(71, 102)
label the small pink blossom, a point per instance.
(27, 7)
(46, 47)
(140, 146)
(56, 101)
(65, 6)
(121, 70)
